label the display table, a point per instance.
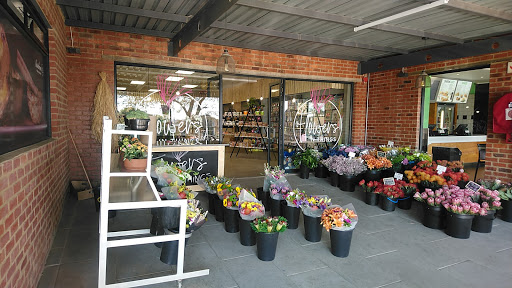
(466, 144)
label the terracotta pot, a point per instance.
(138, 165)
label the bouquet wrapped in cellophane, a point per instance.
(339, 218)
(272, 174)
(314, 206)
(249, 207)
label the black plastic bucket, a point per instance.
(312, 228)
(506, 212)
(169, 254)
(264, 197)
(371, 198)
(304, 172)
(292, 215)
(483, 224)
(275, 207)
(267, 245)
(405, 203)
(334, 179)
(247, 234)
(459, 225)
(340, 242)
(211, 203)
(372, 175)
(219, 210)
(231, 220)
(387, 204)
(321, 171)
(434, 216)
(348, 182)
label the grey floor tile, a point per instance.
(474, 275)
(500, 261)
(250, 272)
(226, 245)
(82, 245)
(78, 275)
(59, 241)
(321, 277)
(54, 257)
(139, 260)
(131, 220)
(48, 277)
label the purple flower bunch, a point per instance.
(488, 199)
(295, 198)
(278, 190)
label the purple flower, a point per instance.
(405, 161)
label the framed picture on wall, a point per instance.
(24, 118)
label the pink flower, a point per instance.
(485, 205)
(430, 201)
(496, 203)
(474, 210)
(482, 212)
(439, 192)
(438, 200)
(446, 205)
(424, 195)
(430, 193)
(460, 209)
(453, 207)
(417, 195)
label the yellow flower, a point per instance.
(244, 205)
(237, 203)
(219, 186)
(225, 202)
(237, 189)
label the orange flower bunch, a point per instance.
(337, 217)
(377, 163)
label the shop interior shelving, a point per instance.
(123, 191)
(236, 126)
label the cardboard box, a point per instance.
(81, 189)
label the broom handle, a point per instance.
(80, 158)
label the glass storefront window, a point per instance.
(317, 114)
(185, 102)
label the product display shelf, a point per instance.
(123, 191)
(247, 122)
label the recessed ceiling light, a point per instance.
(293, 100)
(274, 90)
(189, 86)
(458, 74)
(261, 98)
(184, 72)
(232, 103)
(174, 78)
(247, 100)
(467, 107)
(136, 82)
(477, 111)
(121, 88)
(154, 90)
(481, 76)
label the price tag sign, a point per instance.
(351, 154)
(364, 152)
(399, 176)
(389, 181)
(381, 154)
(473, 186)
(441, 169)
(391, 144)
(120, 127)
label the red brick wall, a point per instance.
(98, 46)
(32, 184)
(394, 108)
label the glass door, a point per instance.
(274, 117)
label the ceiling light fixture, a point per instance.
(401, 14)
(136, 82)
(225, 64)
(174, 78)
(274, 90)
(185, 72)
(423, 80)
(121, 88)
(154, 90)
(189, 86)
(261, 98)
(402, 73)
(232, 103)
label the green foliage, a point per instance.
(307, 157)
(131, 113)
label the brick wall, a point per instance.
(99, 48)
(33, 183)
(394, 107)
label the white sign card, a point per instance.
(351, 155)
(391, 144)
(381, 154)
(389, 181)
(462, 92)
(473, 186)
(441, 169)
(364, 152)
(446, 90)
(399, 176)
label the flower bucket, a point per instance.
(372, 175)
(462, 184)
(388, 173)
(434, 216)
(169, 254)
(340, 242)
(292, 215)
(304, 172)
(211, 203)
(247, 235)
(135, 165)
(264, 196)
(169, 217)
(334, 178)
(483, 224)
(506, 212)
(312, 228)
(459, 225)
(154, 221)
(387, 204)
(266, 245)
(348, 182)
(321, 171)
(371, 198)
(219, 210)
(275, 207)
(405, 203)
(137, 124)
(231, 220)
(159, 231)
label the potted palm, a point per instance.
(267, 233)
(307, 160)
(134, 154)
(340, 223)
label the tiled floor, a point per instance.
(389, 249)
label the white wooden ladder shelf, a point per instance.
(130, 197)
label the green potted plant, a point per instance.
(307, 160)
(267, 233)
(135, 119)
